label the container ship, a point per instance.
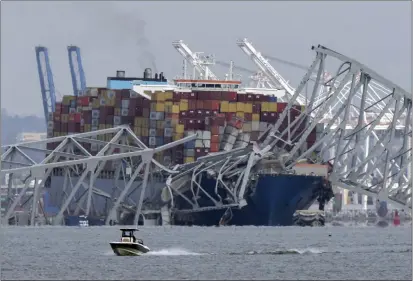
(222, 114)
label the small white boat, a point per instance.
(129, 244)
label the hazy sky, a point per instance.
(121, 36)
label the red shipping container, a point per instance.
(199, 104)
(281, 106)
(83, 101)
(190, 124)
(229, 116)
(248, 116)
(229, 96)
(241, 97)
(77, 117)
(214, 130)
(215, 137)
(215, 95)
(176, 96)
(192, 95)
(214, 147)
(65, 109)
(56, 116)
(215, 112)
(58, 107)
(192, 105)
(56, 126)
(215, 104)
(125, 94)
(64, 127)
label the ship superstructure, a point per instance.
(150, 155)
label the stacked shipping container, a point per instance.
(222, 120)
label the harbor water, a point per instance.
(331, 252)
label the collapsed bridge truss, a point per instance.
(382, 172)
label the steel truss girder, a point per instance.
(86, 166)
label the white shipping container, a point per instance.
(221, 130)
(50, 134)
(168, 132)
(199, 135)
(152, 141)
(230, 139)
(110, 94)
(50, 125)
(116, 120)
(95, 122)
(227, 147)
(72, 110)
(133, 94)
(94, 128)
(168, 123)
(206, 135)
(102, 102)
(152, 115)
(152, 132)
(199, 144)
(152, 124)
(247, 127)
(189, 133)
(160, 115)
(124, 112)
(189, 152)
(255, 126)
(206, 143)
(167, 160)
(95, 113)
(125, 104)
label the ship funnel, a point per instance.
(147, 74)
(120, 73)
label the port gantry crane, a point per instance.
(46, 82)
(76, 70)
(196, 59)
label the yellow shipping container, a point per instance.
(101, 137)
(232, 107)
(168, 108)
(255, 117)
(160, 96)
(117, 111)
(55, 134)
(175, 109)
(177, 136)
(273, 106)
(67, 99)
(108, 138)
(102, 126)
(137, 131)
(160, 107)
(248, 107)
(240, 107)
(179, 128)
(265, 106)
(145, 132)
(110, 102)
(183, 105)
(240, 114)
(302, 108)
(224, 106)
(145, 123)
(170, 103)
(189, 159)
(169, 95)
(65, 118)
(108, 126)
(87, 127)
(96, 104)
(160, 124)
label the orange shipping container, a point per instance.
(214, 147)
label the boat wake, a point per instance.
(172, 252)
(282, 252)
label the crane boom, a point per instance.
(267, 68)
(46, 81)
(78, 77)
(199, 63)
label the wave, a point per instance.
(173, 252)
(282, 252)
